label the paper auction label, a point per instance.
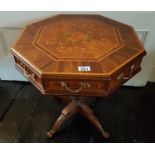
(84, 68)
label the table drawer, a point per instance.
(124, 76)
(25, 70)
(74, 87)
(28, 73)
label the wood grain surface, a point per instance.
(78, 49)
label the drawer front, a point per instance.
(124, 76)
(25, 70)
(29, 74)
(74, 87)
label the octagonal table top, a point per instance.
(78, 46)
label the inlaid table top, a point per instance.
(84, 51)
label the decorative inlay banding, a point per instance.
(87, 40)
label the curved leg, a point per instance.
(88, 113)
(66, 113)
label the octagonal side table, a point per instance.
(77, 56)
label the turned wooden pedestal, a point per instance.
(76, 105)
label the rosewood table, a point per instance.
(77, 56)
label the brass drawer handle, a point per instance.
(82, 85)
(22, 65)
(26, 74)
(32, 76)
(121, 76)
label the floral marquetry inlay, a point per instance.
(80, 39)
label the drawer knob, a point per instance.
(82, 85)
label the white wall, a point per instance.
(11, 24)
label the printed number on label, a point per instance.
(84, 68)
